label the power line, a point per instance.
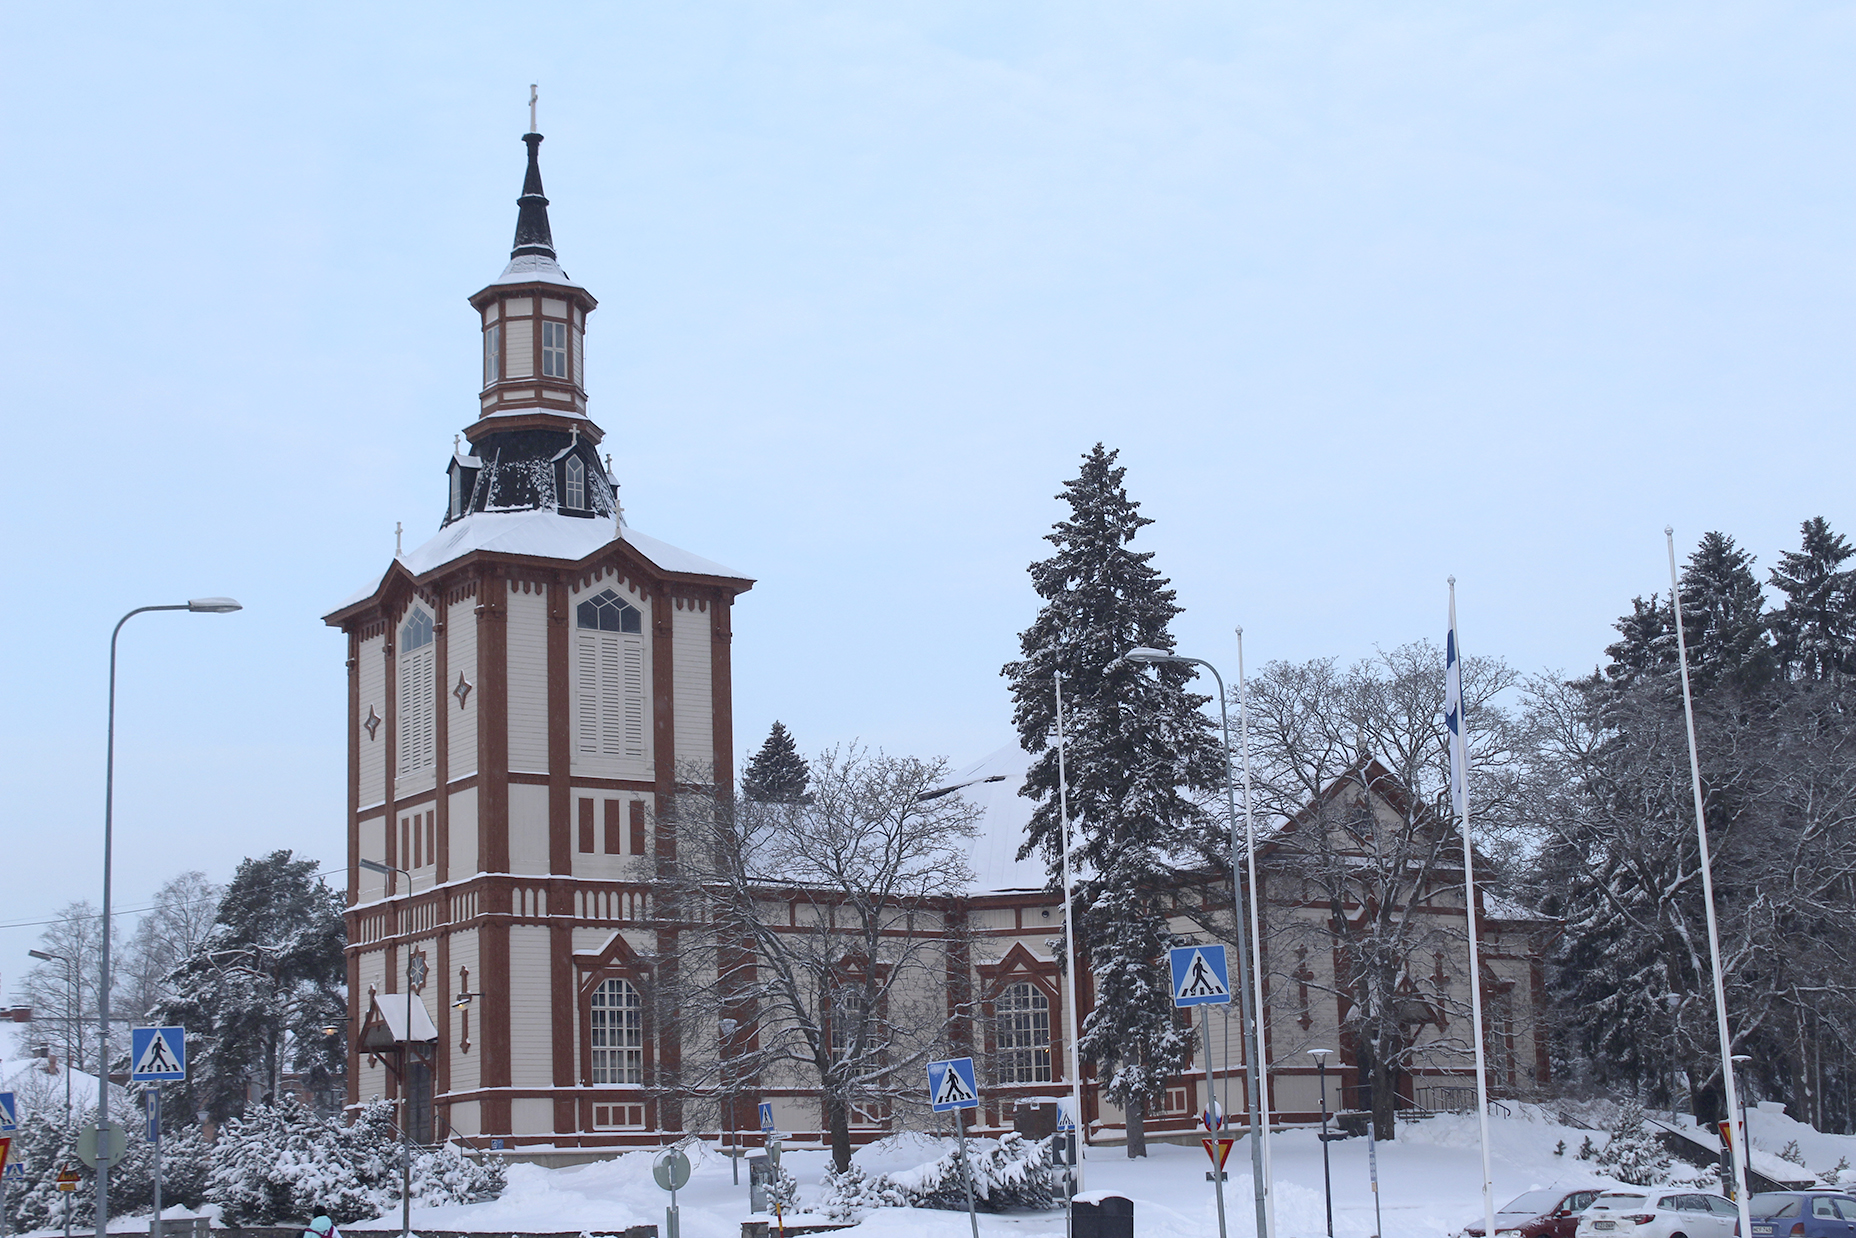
(319, 874)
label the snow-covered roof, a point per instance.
(40, 1090)
(542, 534)
(391, 1007)
(1006, 815)
(533, 269)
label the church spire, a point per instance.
(532, 233)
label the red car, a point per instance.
(1540, 1214)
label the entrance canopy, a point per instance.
(385, 1026)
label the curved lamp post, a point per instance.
(1250, 1012)
(199, 606)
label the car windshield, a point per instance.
(1532, 1203)
(1773, 1205)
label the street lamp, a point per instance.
(375, 866)
(1253, 1051)
(1327, 1179)
(202, 606)
(70, 988)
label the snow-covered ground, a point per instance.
(1428, 1185)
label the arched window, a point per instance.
(1021, 1032)
(417, 733)
(492, 355)
(575, 487)
(616, 1033)
(609, 678)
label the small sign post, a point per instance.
(672, 1171)
(157, 1055)
(1200, 978)
(952, 1085)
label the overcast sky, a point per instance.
(1367, 295)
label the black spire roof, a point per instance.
(532, 233)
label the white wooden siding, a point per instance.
(528, 682)
(373, 847)
(373, 675)
(690, 655)
(531, 1011)
(461, 659)
(466, 1068)
(528, 828)
(463, 833)
(519, 347)
(531, 1115)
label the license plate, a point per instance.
(1761, 1229)
(1604, 1224)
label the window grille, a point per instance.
(1021, 1033)
(616, 1033)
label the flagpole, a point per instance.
(1256, 930)
(1707, 895)
(1459, 778)
(1069, 941)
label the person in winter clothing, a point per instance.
(321, 1226)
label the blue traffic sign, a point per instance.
(1199, 976)
(766, 1117)
(151, 1104)
(157, 1054)
(951, 1085)
(15, 1171)
(9, 1114)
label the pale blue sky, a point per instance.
(1367, 294)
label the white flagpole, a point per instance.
(1256, 933)
(1459, 761)
(1069, 941)
(1707, 894)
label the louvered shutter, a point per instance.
(586, 691)
(611, 695)
(634, 696)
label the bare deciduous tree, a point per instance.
(834, 929)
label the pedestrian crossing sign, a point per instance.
(1199, 976)
(951, 1085)
(158, 1054)
(9, 1114)
(766, 1117)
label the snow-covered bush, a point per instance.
(849, 1195)
(1012, 1172)
(1792, 1154)
(278, 1163)
(1834, 1175)
(1634, 1155)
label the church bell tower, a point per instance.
(527, 689)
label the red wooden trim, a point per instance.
(721, 690)
(613, 819)
(390, 789)
(637, 827)
(586, 825)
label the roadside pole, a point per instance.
(952, 1087)
(1201, 978)
(1372, 1167)
(156, 1055)
(154, 1136)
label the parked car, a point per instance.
(1653, 1213)
(1540, 1214)
(1803, 1214)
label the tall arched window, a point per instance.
(418, 749)
(609, 677)
(1022, 1033)
(574, 474)
(616, 1033)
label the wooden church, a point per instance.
(522, 690)
(527, 691)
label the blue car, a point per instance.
(1802, 1214)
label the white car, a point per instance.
(1650, 1212)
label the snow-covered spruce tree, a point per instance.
(1139, 749)
(1634, 1155)
(777, 774)
(1723, 618)
(256, 992)
(1815, 630)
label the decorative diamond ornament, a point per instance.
(372, 722)
(462, 691)
(415, 972)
